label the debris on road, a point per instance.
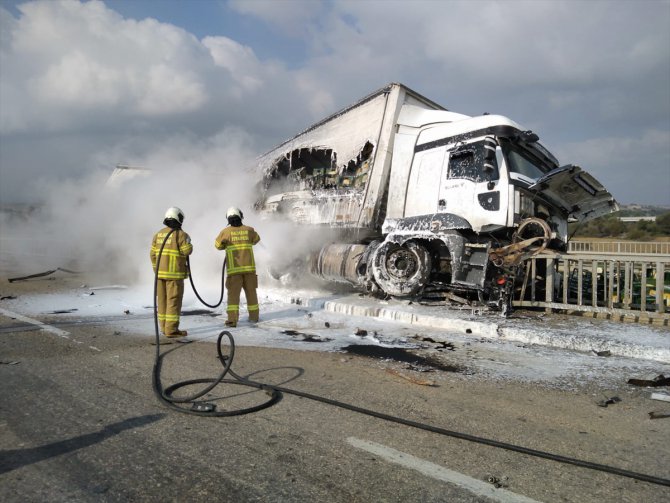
(41, 274)
(306, 337)
(658, 415)
(439, 345)
(413, 380)
(360, 332)
(659, 380)
(62, 311)
(497, 482)
(664, 397)
(7, 297)
(602, 353)
(609, 401)
(9, 362)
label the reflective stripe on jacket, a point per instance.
(173, 259)
(238, 243)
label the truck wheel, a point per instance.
(401, 270)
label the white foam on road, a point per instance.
(531, 348)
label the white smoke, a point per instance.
(104, 229)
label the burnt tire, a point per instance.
(401, 270)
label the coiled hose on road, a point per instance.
(200, 408)
(203, 408)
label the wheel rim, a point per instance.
(401, 270)
(401, 263)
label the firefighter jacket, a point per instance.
(238, 243)
(173, 259)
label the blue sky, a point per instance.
(215, 17)
(87, 85)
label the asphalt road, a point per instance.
(80, 422)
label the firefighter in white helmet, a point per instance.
(171, 271)
(238, 241)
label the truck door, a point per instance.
(470, 185)
(424, 183)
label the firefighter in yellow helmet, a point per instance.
(238, 241)
(171, 271)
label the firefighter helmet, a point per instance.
(234, 212)
(174, 213)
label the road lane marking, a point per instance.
(43, 326)
(438, 472)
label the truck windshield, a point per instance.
(522, 162)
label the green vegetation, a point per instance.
(610, 226)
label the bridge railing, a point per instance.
(619, 247)
(609, 285)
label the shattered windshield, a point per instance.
(522, 162)
(468, 161)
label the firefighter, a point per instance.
(171, 271)
(238, 241)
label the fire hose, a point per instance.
(201, 407)
(204, 408)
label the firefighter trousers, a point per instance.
(169, 294)
(235, 283)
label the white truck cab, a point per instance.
(425, 197)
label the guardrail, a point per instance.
(619, 247)
(624, 287)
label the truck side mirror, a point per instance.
(528, 137)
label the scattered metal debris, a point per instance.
(659, 380)
(360, 332)
(8, 297)
(498, 482)
(609, 401)
(440, 345)
(420, 368)
(414, 380)
(127, 311)
(306, 337)
(664, 397)
(62, 311)
(41, 274)
(658, 415)
(315, 338)
(602, 353)
(9, 362)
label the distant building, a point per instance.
(638, 219)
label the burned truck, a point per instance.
(421, 199)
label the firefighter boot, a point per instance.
(178, 333)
